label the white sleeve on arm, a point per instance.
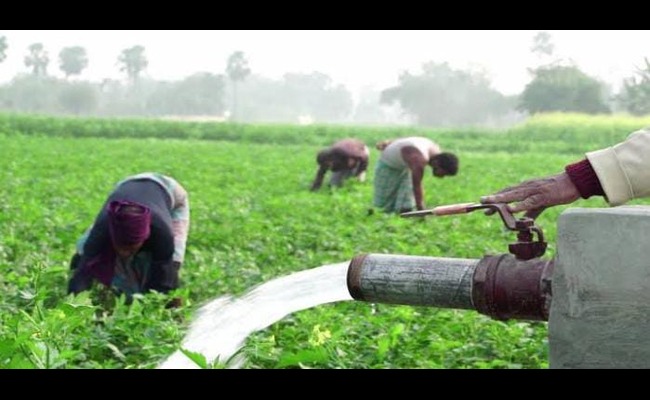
(624, 169)
(180, 221)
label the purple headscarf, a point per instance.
(128, 222)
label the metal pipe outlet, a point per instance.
(501, 286)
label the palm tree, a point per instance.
(3, 48)
(73, 60)
(133, 62)
(37, 59)
(237, 70)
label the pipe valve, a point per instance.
(525, 248)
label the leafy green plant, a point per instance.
(253, 220)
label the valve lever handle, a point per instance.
(524, 248)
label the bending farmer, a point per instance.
(137, 242)
(346, 158)
(400, 170)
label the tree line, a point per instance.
(438, 95)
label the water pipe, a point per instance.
(500, 286)
(505, 286)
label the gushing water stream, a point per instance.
(221, 326)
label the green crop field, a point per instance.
(254, 219)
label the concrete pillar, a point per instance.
(600, 312)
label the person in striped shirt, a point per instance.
(137, 241)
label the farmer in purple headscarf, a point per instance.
(137, 242)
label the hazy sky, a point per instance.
(354, 58)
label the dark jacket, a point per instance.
(163, 271)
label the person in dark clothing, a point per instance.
(137, 242)
(346, 158)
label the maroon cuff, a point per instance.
(584, 177)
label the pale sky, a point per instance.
(355, 58)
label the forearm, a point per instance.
(164, 276)
(418, 191)
(318, 181)
(362, 167)
(181, 229)
(80, 280)
(180, 222)
(416, 164)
